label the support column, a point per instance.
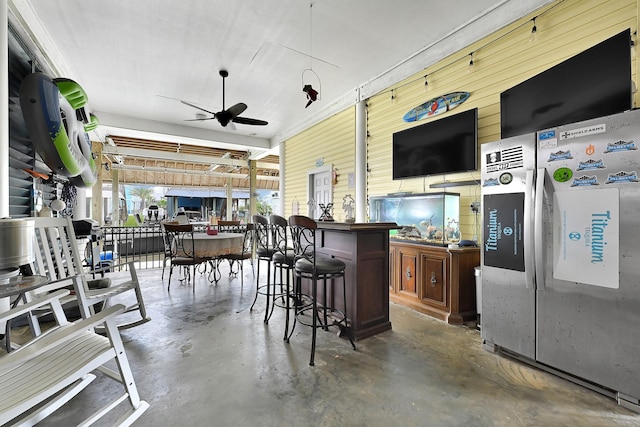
(361, 162)
(229, 198)
(97, 209)
(253, 191)
(115, 197)
(282, 166)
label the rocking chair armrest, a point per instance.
(32, 305)
(57, 335)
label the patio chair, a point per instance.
(166, 246)
(58, 258)
(246, 253)
(180, 240)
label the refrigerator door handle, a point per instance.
(529, 260)
(538, 228)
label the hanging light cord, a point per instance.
(483, 46)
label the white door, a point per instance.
(320, 188)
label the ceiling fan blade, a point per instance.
(248, 121)
(199, 120)
(199, 108)
(237, 109)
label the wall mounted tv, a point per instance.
(594, 83)
(444, 146)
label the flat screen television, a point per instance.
(444, 146)
(591, 84)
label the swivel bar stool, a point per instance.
(264, 252)
(308, 310)
(283, 258)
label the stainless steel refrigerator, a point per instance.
(561, 251)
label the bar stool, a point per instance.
(308, 310)
(283, 259)
(264, 252)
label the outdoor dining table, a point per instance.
(214, 246)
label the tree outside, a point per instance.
(144, 193)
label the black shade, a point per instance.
(594, 83)
(444, 146)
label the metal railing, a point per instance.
(143, 245)
(121, 245)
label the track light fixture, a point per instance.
(534, 30)
(471, 59)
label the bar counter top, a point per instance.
(357, 226)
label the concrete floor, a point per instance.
(206, 360)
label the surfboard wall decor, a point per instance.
(435, 106)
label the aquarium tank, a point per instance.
(427, 218)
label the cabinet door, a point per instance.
(407, 274)
(433, 280)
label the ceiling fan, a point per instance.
(226, 115)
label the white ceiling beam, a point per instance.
(171, 156)
(163, 131)
(140, 168)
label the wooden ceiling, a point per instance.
(150, 162)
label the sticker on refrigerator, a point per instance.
(547, 138)
(621, 146)
(503, 244)
(586, 236)
(622, 177)
(585, 181)
(560, 155)
(591, 165)
(508, 158)
(585, 131)
(562, 174)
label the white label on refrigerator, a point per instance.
(585, 131)
(586, 238)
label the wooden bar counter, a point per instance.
(364, 248)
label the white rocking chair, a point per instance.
(58, 258)
(52, 368)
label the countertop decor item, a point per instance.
(326, 212)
